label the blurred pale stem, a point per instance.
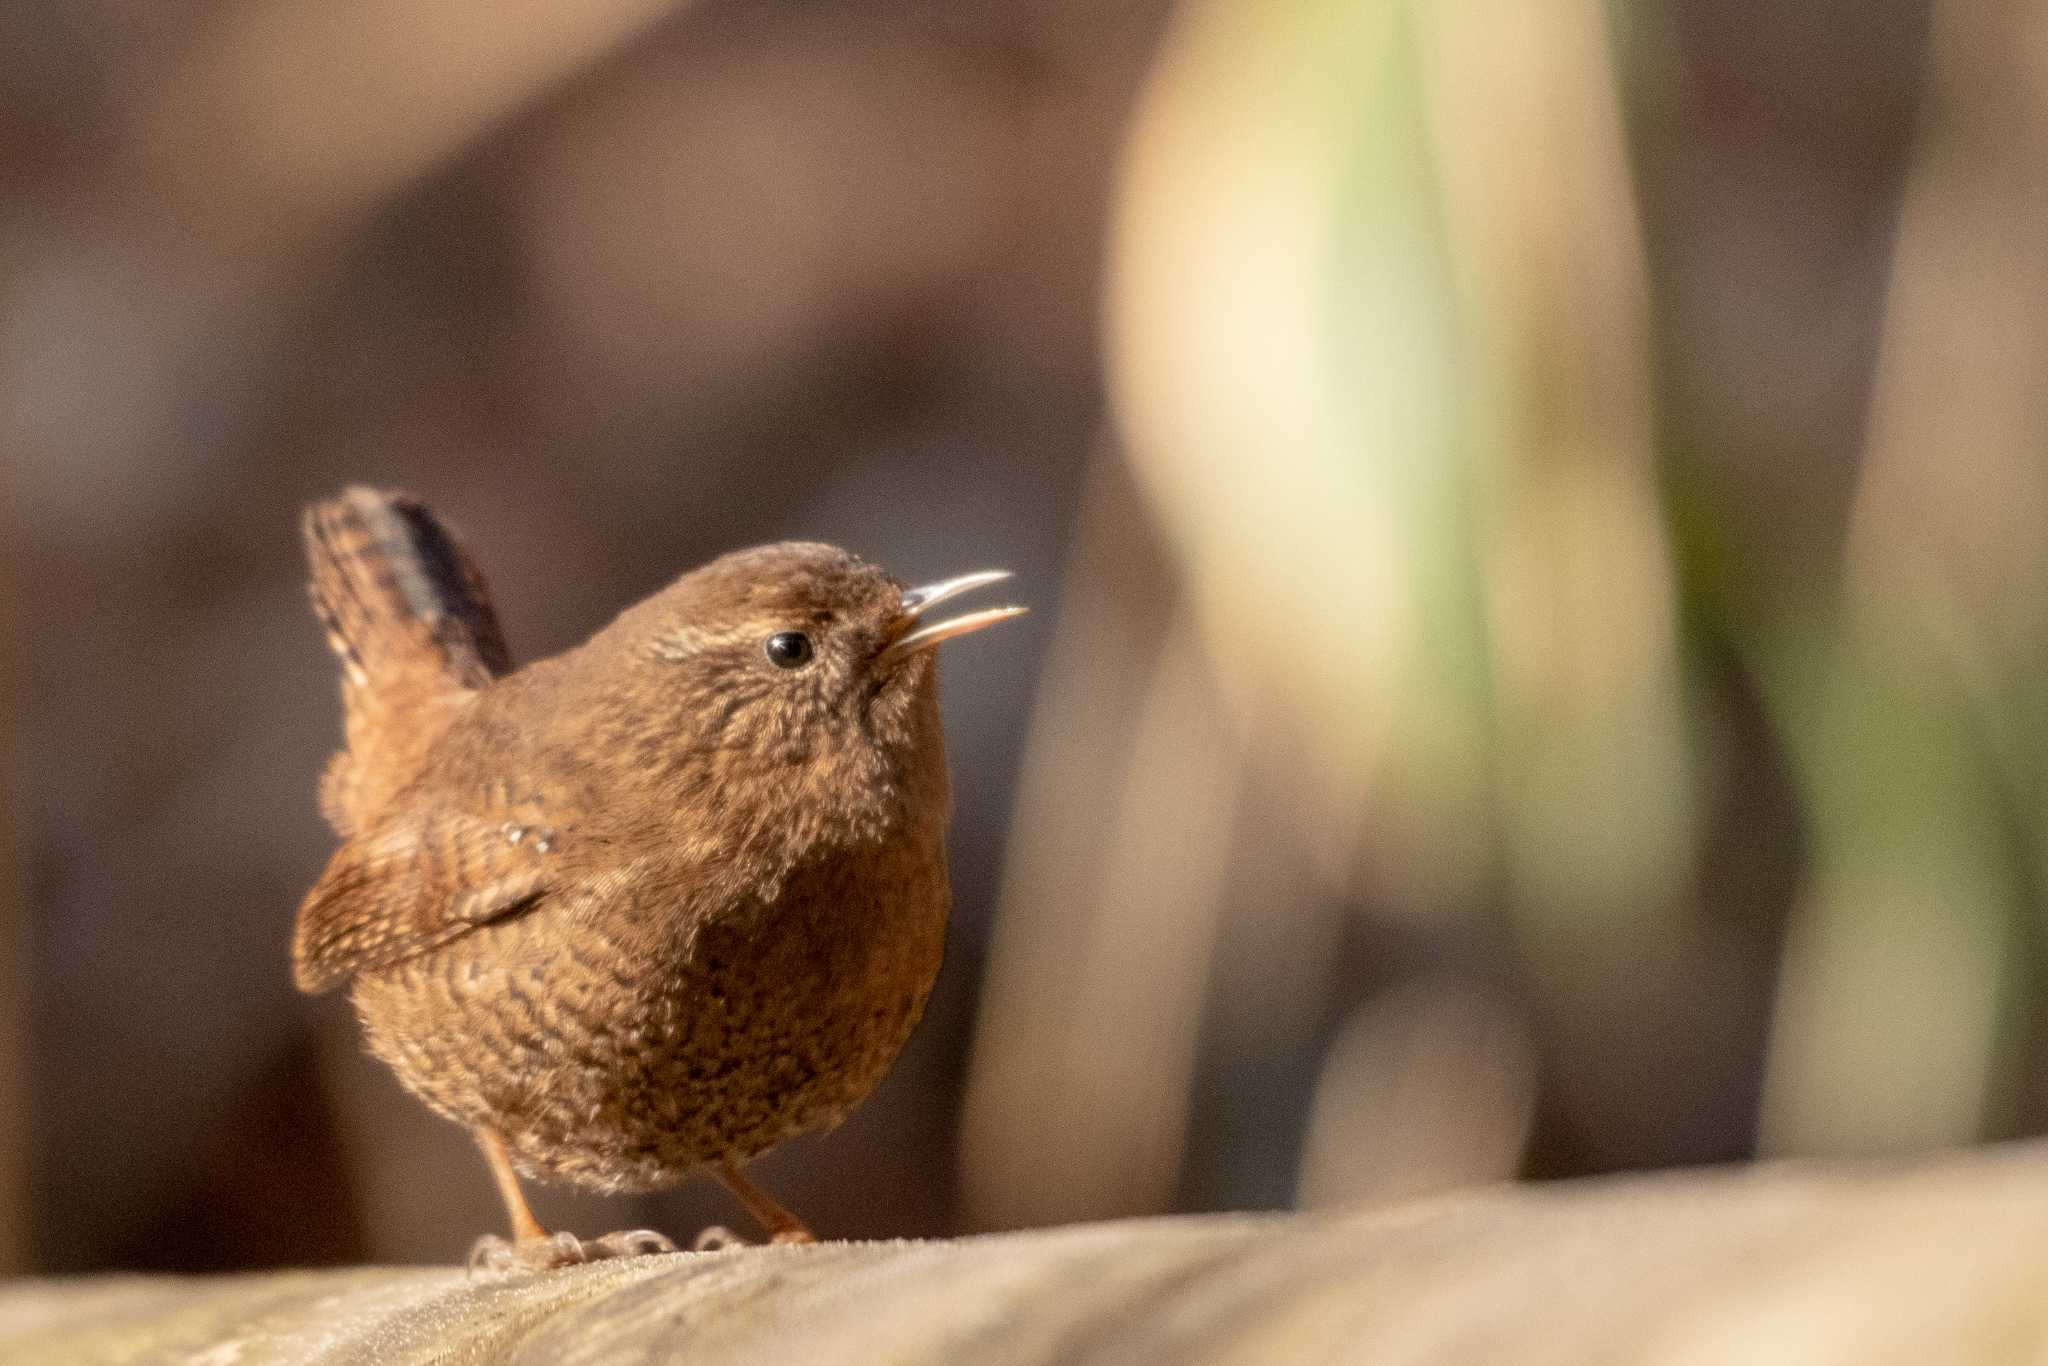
(1429, 1087)
(1887, 1032)
(1286, 376)
(1947, 550)
(1084, 1058)
(1575, 566)
(1300, 604)
(1220, 253)
(1886, 1028)
(14, 1018)
(1920, 720)
(1379, 349)
(1577, 573)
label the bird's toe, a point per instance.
(638, 1242)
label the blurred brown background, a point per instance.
(1536, 515)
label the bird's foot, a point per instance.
(494, 1254)
(718, 1238)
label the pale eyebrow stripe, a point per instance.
(688, 640)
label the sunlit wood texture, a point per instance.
(1775, 1265)
(14, 1023)
(1918, 718)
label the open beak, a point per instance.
(914, 633)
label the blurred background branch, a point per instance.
(16, 1106)
(1919, 711)
(268, 122)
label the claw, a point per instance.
(717, 1238)
(639, 1242)
(498, 1255)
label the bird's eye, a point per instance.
(788, 649)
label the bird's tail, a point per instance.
(404, 608)
(403, 604)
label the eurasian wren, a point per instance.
(652, 905)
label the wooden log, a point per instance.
(1943, 1260)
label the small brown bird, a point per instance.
(652, 905)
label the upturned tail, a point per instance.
(409, 616)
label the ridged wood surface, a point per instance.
(1943, 1260)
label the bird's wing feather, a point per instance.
(412, 886)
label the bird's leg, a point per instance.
(532, 1247)
(525, 1228)
(782, 1226)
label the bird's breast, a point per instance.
(622, 1049)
